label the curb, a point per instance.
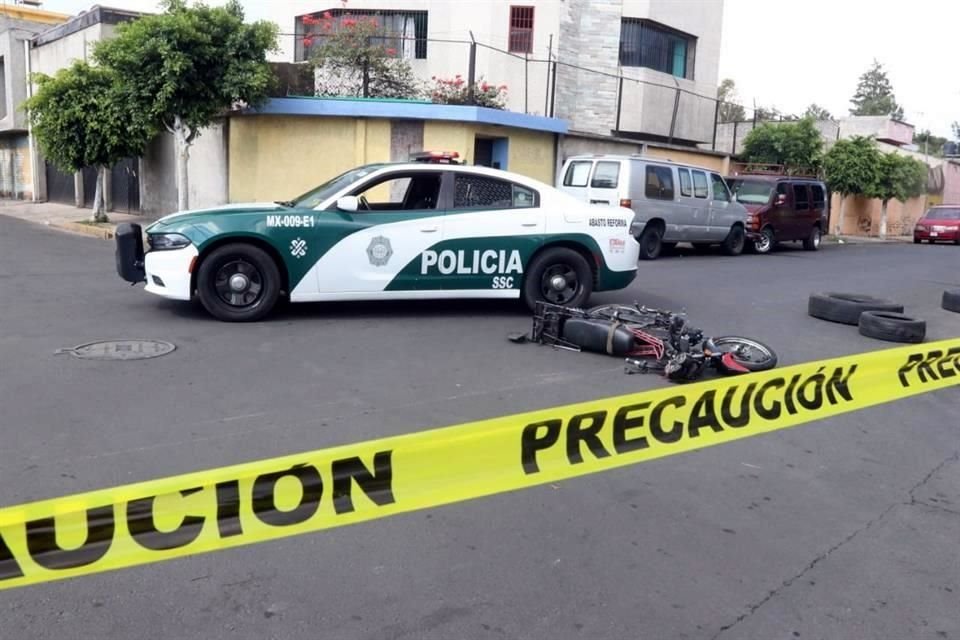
(103, 233)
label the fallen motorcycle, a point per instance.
(651, 340)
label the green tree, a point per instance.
(874, 95)
(83, 117)
(797, 146)
(816, 112)
(851, 167)
(900, 178)
(353, 59)
(929, 143)
(189, 65)
(956, 130)
(730, 108)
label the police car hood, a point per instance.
(227, 209)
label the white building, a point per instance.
(667, 51)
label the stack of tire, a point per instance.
(876, 318)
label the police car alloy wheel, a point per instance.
(238, 283)
(558, 276)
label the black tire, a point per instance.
(892, 327)
(734, 242)
(539, 283)
(766, 242)
(812, 241)
(222, 296)
(751, 354)
(951, 301)
(916, 241)
(651, 242)
(846, 308)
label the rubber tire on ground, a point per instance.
(812, 241)
(917, 241)
(531, 283)
(651, 242)
(951, 301)
(846, 308)
(734, 242)
(892, 327)
(768, 232)
(256, 256)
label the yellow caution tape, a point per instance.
(258, 501)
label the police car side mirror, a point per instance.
(348, 203)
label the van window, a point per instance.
(577, 174)
(686, 186)
(801, 201)
(699, 184)
(606, 175)
(720, 193)
(659, 182)
(819, 201)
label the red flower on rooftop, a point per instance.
(391, 51)
(349, 22)
(307, 41)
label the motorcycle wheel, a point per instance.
(748, 353)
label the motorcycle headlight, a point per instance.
(167, 241)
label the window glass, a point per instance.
(801, 201)
(686, 185)
(942, 213)
(720, 192)
(606, 175)
(818, 196)
(699, 184)
(481, 192)
(523, 197)
(651, 45)
(659, 182)
(315, 198)
(577, 174)
(401, 192)
(751, 191)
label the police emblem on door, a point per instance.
(379, 251)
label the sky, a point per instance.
(787, 54)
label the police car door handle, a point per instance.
(429, 229)
(528, 224)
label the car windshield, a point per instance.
(751, 191)
(313, 198)
(943, 214)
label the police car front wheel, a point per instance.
(238, 283)
(558, 276)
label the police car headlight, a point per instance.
(167, 241)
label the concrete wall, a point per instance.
(59, 54)
(14, 87)
(281, 157)
(16, 174)
(862, 216)
(720, 164)
(207, 169)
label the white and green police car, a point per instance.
(387, 232)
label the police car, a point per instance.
(429, 228)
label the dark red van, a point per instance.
(938, 224)
(782, 209)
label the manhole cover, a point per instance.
(121, 350)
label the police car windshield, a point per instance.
(312, 199)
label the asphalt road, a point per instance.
(846, 528)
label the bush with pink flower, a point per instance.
(456, 91)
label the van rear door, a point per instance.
(605, 183)
(576, 179)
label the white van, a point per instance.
(672, 202)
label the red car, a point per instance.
(938, 224)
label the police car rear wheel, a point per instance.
(559, 276)
(238, 283)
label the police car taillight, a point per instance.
(436, 157)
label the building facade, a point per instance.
(634, 69)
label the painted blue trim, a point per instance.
(408, 110)
(501, 152)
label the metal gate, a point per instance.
(124, 186)
(60, 187)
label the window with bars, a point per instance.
(521, 30)
(647, 44)
(403, 32)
